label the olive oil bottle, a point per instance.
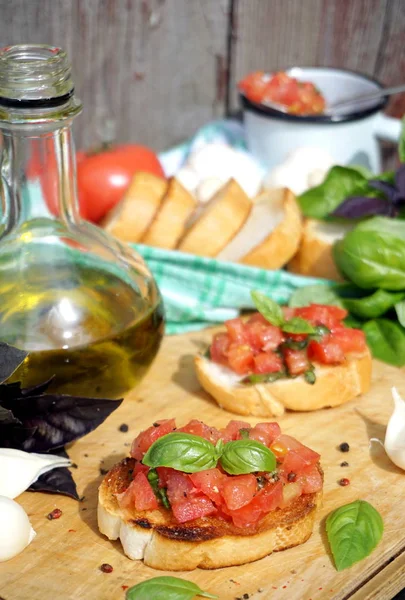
(83, 305)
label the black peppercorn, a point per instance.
(123, 428)
(344, 447)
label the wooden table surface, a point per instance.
(63, 561)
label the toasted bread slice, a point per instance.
(169, 223)
(218, 222)
(129, 220)
(314, 256)
(272, 233)
(334, 385)
(209, 542)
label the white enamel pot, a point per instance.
(350, 136)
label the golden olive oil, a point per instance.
(90, 329)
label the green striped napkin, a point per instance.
(199, 292)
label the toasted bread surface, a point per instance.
(218, 222)
(209, 542)
(334, 385)
(169, 223)
(130, 219)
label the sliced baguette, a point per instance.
(130, 219)
(218, 222)
(334, 385)
(272, 233)
(314, 256)
(208, 542)
(169, 223)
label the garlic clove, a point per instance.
(16, 530)
(188, 178)
(394, 442)
(19, 469)
(208, 188)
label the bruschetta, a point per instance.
(240, 509)
(310, 360)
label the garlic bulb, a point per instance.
(18, 469)
(15, 528)
(395, 435)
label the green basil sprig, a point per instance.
(247, 456)
(166, 588)
(159, 492)
(183, 452)
(264, 377)
(353, 531)
(273, 313)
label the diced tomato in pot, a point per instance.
(237, 491)
(267, 362)
(265, 433)
(179, 487)
(219, 348)
(327, 352)
(240, 358)
(232, 430)
(210, 482)
(145, 498)
(310, 480)
(194, 508)
(350, 340)
(236, 331)
(146, 438)
(199, 428)
(296, 360)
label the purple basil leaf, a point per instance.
(9, 392)
(400, 180)
(7, 418)
(57, 481)
(37, 390)
(54, 420)
(362, 206)
(10, 359)
(385, 188)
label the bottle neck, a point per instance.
(38, 178)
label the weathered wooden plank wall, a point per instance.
(156, 70)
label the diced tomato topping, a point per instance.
(201, 429)
(145, 498)
(310, 480)
(145, 439)
(240, 358)
(210, 482)
(321, 314)
(297, 457)
(194, 508)
(267, 362)
(236, 331)
(232, 430)
(327, 352)
(164, 474)
(296, 360)
(291, 491)
(257, 318)
(288, 312)
(140, 468)
(179, 486)
(219, 348)
(265, 433)
(126, 500)
(267, 499)
(350, 340)
(264, 336)
(239, 490)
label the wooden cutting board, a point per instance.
(64, 560)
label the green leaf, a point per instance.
(339, 184)
(159, 492)
(353, 531)
(166, 588)
(391, 227)
(400, 310)
(268, 308)
(264, 377)
(372, 259)
(375, 305)
(319, 294)
(183, 452)
(310, 376)
(401, 144)
(298, 325)
(386, 340)
(247, 456)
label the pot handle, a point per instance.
(388, 128)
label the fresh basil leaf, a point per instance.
(386, 340)
(400, 310)
(10, 359)
(310, 376)
(166, 588)
(294, 345)
(375, 305)
(207, 353)
(247, 456)
(244, 433)
(183, 452)
(57, 481)
(7, 418)
(383, 225)
(298, 325)
(270, 310)
(319, 294)
(372, 259)
(339, 184)
(353, 531)
(263, 377)
(401, 144)
(352, 322)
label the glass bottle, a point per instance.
(83, 305)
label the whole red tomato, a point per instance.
(103, 177)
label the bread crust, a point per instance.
(209, 542)
(219, 221)
(334, 385)
(283, 242)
